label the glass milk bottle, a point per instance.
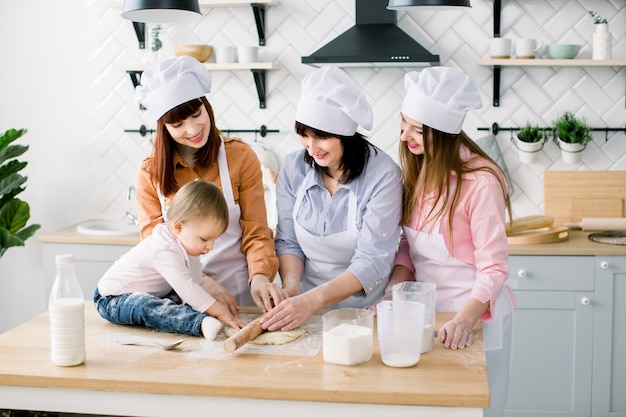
(67, 321)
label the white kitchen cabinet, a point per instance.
(91, 261)
(551, 372)
(609, 335)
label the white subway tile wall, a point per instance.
(298, 27)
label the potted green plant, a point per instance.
(14, 213)
(530, 140)
(572, 135)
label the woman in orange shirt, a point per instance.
(188, 146)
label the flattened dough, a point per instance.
(271, 338)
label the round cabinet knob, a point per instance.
(585, 301)
(604, 265)
(521, 273)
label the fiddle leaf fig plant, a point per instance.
(14, 213)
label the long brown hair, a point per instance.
(165, 147)
(431, 172)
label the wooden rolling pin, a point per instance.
(244, 335)
(599, 223)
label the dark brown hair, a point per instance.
(165, 147)
(356, 152)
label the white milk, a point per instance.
(67, 331)
(400, 360)
(348, 344)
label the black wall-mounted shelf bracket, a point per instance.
(259, 19)
(497, 11)
(140, 31)
(135, 78)
(259, 81)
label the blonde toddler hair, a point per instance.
(198, 200)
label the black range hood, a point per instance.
(374, 40)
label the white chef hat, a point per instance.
(333, 102)
(172, 82)
(440, 97)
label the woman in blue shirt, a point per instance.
(339, 205)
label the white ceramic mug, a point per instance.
(526, 48)
(248, 53)
(225, 54)
(500, 48)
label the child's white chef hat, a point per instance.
(331, 101)
(440, 97)
(172, 82)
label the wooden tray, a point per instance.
(548, 235)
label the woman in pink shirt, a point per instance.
(455, 202)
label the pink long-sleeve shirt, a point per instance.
(158, 264)
(478, 227)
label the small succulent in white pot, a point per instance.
(530, 140)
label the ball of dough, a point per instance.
(271, 338)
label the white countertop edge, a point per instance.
(163, 405)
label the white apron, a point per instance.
(226, 263)
(455, 280)
(328, 256)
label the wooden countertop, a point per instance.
(70, 235)
(441, 378)
(577, 244)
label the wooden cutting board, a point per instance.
(571, 195)
(533, 237)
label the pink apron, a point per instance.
(455, 280)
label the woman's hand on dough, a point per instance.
(220, 293)
(265, 294)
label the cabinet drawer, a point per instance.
(560, 273)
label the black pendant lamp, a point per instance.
(437, 4)
(161, 11)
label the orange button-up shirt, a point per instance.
(247, 181)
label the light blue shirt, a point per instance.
(379, 209)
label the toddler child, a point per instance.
(158, 283)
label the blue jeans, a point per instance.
(167, 314)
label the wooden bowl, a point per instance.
(200, 52)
